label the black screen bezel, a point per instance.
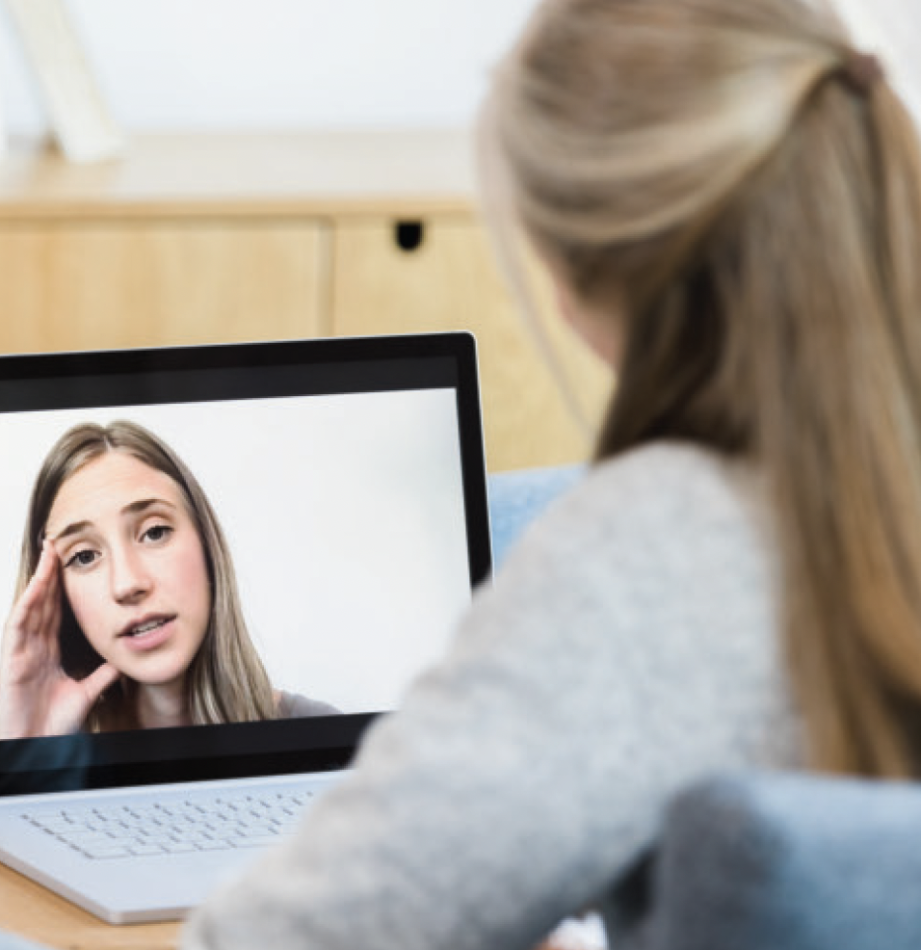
(215, 373)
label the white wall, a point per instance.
(892, 29)
(269, 64)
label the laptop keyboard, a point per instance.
(194, 823)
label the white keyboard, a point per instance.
(191, 822)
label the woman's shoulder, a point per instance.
(663, 493)
(661, 472)
(653, 578)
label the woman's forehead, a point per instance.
(106, 486)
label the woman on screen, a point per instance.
(127, 613)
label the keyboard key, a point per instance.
(210, 844)
(178, 847)
(99, 852)
(146, 849)
(254, 841)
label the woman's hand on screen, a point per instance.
(37, 698)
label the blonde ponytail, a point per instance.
(752, 189)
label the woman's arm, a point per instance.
(530, 768)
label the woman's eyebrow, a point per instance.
(74, 528)
(135, 507)
(144, 503)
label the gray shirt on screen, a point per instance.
(629, 645)
(296, 706)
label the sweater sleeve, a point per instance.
(616, 658)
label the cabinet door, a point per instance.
(146, 283)
(449, 282)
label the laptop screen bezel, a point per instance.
(236, 371)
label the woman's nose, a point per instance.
(130, 581)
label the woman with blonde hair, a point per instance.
(727, 196)
(127, 613)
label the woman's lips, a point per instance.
(152, 634)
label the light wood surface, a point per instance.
(34, 912)
(120, 284)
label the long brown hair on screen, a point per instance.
(226, 681)
(748, 188)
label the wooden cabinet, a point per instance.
(126, 284)
(197, 239)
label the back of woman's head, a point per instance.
(742, 189)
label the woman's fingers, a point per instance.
(67, 706)
(38, 610)
(36, 590)
(30, 649)
(51, 589)
(99, 681)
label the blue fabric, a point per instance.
(517, 497)
(764, 862)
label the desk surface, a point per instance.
(34, 912)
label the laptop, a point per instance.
(348, 478)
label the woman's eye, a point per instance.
(82, 558)
(157, 532)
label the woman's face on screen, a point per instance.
(133, 567)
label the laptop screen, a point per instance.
(303, 552)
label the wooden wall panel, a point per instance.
(121, 284)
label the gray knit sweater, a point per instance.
(628, 646)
